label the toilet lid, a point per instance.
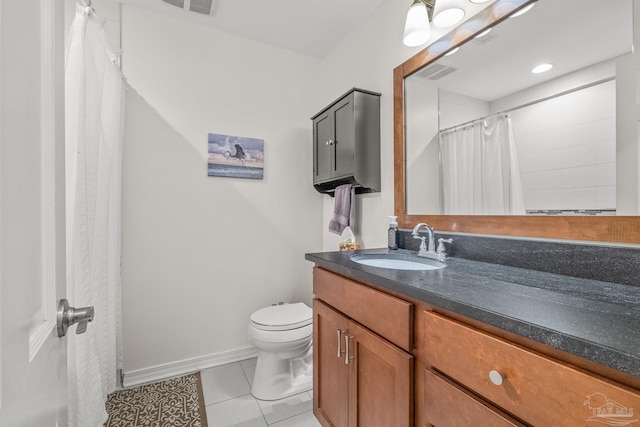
(282, 317)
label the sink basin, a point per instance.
(398, 262)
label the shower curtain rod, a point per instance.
(528, 104)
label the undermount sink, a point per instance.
(398, 262)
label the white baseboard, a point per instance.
(174, 369)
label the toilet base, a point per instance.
(277, 378)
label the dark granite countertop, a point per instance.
(599, 321)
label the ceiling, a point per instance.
(310, 28)
(570, 34)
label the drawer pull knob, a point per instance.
(496, 377)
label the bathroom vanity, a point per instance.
(474, 343)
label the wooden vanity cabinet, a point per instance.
(360, 378)
(466, 373)
(534, 388)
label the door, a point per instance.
(323, 147)
(330, 372)
(33, 371)
(345, 140)
(380, 381)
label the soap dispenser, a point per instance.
(393, 233)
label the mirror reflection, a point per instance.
(486, 134)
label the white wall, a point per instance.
(422, 189)
(201, 254)
(366, 59)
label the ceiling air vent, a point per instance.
(205, 7)
(435, 71)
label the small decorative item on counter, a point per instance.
(349, 246)
(348, 242)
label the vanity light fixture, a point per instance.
(443, 13)
(417, 30)
(448, 13)
(541, 68)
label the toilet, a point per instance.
(282, 334)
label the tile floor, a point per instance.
(227, 395)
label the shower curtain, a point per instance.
(94, 132)
(480, 171)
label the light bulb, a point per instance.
(448, 13)
(416, 28)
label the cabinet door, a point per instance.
(344, 141)
(323, 150)
(447, 405)
(330, 373)
(380, 381)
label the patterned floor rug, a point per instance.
(177, 402)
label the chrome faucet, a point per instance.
(428, 249)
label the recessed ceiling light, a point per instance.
(484, 33)
(478, 1)
(541, 68)
(523, 11)
(452, 51)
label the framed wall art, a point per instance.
(235, 156)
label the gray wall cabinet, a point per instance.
(346, 143)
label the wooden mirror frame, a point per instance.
(620, 229)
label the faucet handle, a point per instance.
(441, 247)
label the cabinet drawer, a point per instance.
(389, 317)
(446, 404)
(539, 390)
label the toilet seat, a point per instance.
(283, 317)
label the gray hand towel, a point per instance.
(343, 209)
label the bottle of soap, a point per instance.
(393, 232)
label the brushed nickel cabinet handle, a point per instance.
(339, 342)
(346, 355)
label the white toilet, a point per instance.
(282, 334)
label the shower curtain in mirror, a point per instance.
(94, 115)
(480, 172)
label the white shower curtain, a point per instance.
(94, 117)
(480, 171)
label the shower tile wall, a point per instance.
(569, 162)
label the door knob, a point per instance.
(68, 316)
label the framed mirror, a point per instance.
(483, 145)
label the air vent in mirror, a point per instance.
(205, 7)
(435, 71)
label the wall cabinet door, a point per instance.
(344, 144)
(323, 151)
(360, 379)
(334, 141)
